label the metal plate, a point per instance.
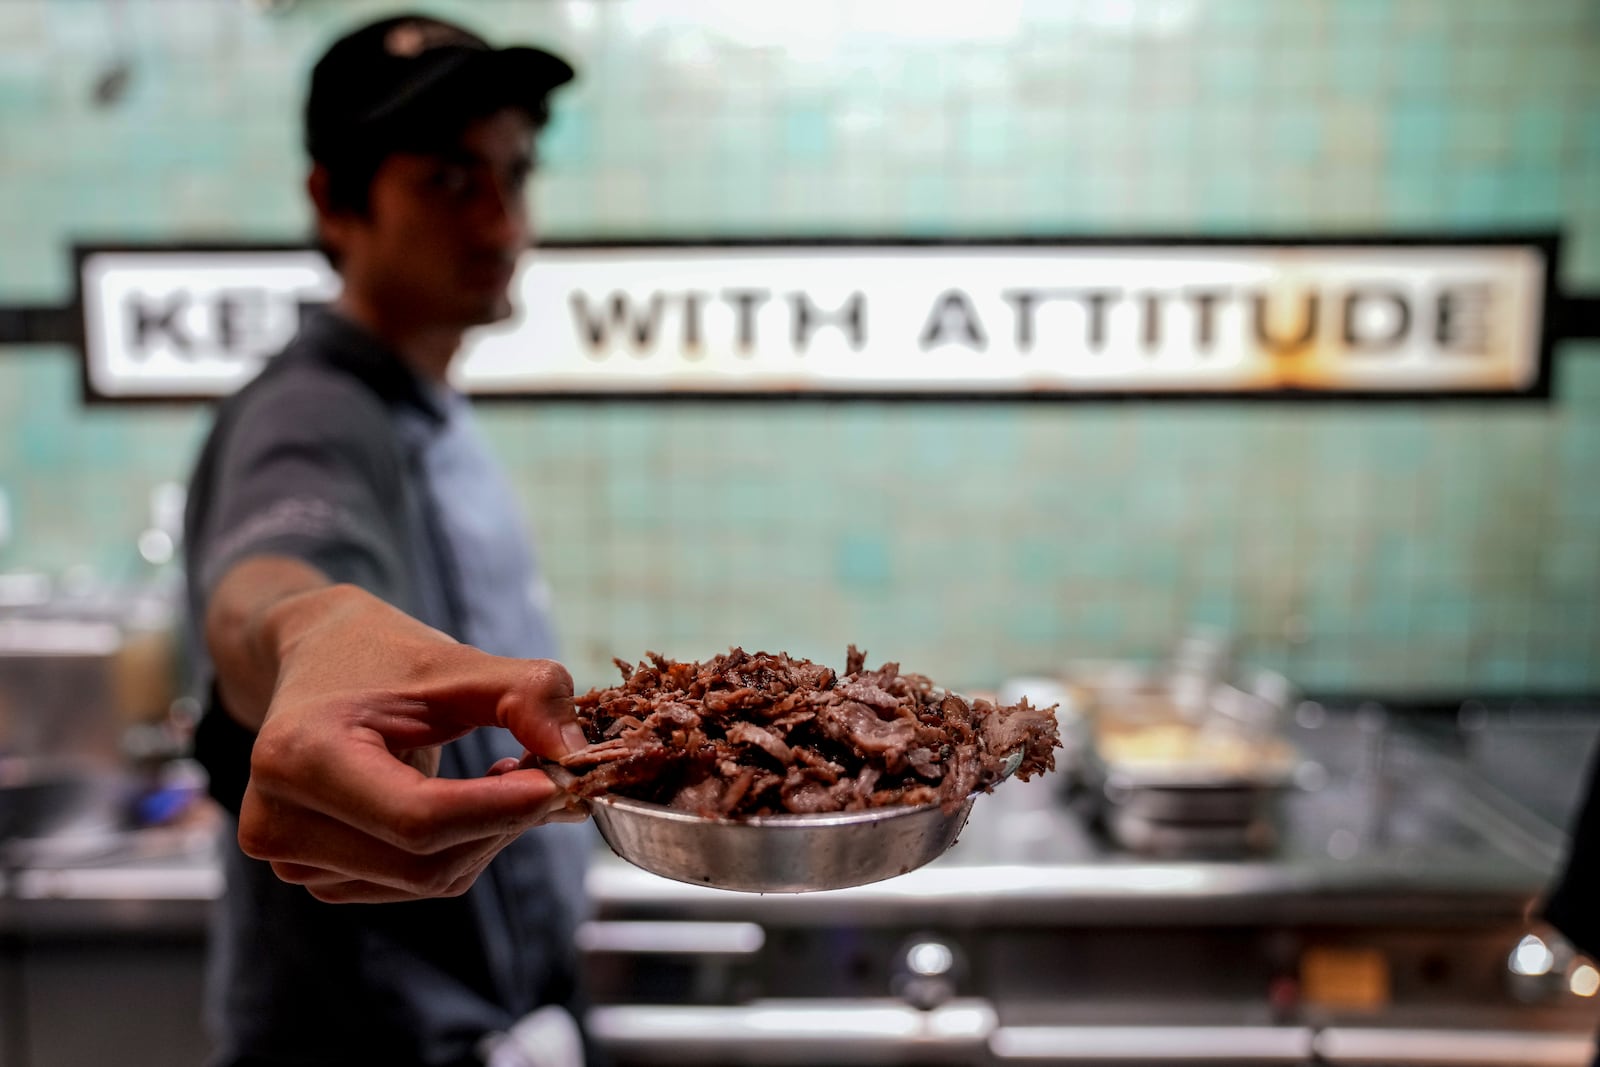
(778, 853)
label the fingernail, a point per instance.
(572, 734)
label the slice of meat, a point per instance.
(963, 772)
(744, 733)
(819, 764)
(607, 752)
(673, 715)
(926, 763)
(904, 796)
(858, 726)
(803, 675)
(808, 797)
(727, 699)
(955, 711)
(702, 798)
(794, 718)
(643, 680)
(872, 695)
(755, 798)
(640, 768)
(623, 724)
(734, 794)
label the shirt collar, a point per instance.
(345, 344)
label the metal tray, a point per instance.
(778, 853)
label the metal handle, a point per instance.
(1144, 1044)
(794, 1031)
(1453, 1048)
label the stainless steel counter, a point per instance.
(1427, 844)
(137, 896)
(1065, 948)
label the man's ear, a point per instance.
(317, 181)
(330, 220)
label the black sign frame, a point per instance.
(1562, 317)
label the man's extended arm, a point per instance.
(241, 633)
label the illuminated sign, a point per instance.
(990, 319)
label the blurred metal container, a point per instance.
(58, 690)
(1191, 756)
(63, 684)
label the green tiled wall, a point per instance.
(1437, 548)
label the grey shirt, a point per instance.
(338, 455)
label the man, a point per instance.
(346, 528)
(1573, 903)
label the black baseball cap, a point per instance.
(410, 82)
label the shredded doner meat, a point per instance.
(758, 734)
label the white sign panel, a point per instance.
(830, 319)
(192, 324)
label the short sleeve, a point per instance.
(309, 468)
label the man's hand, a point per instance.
(341, 796)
